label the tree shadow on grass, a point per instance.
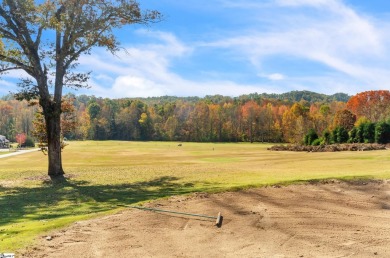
(67, 197)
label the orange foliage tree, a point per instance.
(374, 105)
(345, 119)
(68, 123)
(250, 113)
(296, 123)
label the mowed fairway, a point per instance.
(102, 175)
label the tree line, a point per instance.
(247, 118)
(364, 120)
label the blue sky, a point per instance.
(234, 47)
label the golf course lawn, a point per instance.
(104, 174)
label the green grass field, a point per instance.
(103, 175)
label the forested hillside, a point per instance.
(254, 118)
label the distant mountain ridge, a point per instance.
(292, 96)
(296, 96)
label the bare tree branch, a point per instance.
(2, 70)
(18, 63)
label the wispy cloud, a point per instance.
(144, 71)
(329, 33)
(274, 76)
(315, 3)
(244, 4)
(280, 50)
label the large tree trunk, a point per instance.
(53, 128)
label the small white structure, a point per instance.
(4, 143)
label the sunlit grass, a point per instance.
(102, 175)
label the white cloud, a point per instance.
(104, 77)
(273, 76)
(144, 71)
(132, 86)
(345, 37)
(326, 32)
(6, 83)
(276, 77)
(170, 46)
(244, 4)
(336, 36)
(315, 3)
(5, 87)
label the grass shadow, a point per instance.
(69, 197)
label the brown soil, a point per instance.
(327, 219)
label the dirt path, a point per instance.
(18, 152)
(331, 219)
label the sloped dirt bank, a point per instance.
(326, 219)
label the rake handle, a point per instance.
(174, 212)
(218, 219)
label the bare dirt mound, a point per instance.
(331, 147)
(327, 219)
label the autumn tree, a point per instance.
(46, 38)
(233, 120)
(250, 114)
(320, 115)
(374, 105)
(345, 119)
(296, 123)
(266, 123)
(199, 122)
(170, 127)
(216, 122)
(185, 118)
(68, 123)
(20, 139)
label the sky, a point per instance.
(235, 47)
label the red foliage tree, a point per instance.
(21, 138)
(373, 105)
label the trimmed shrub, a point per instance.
(317, 142)
(29, 142)
(326, 138)
(310, 137)
(340, 135)
(369, 132)
(382, 133)
(359, 138)
(353, 136)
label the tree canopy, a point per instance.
(212, 118)
(46, 38)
